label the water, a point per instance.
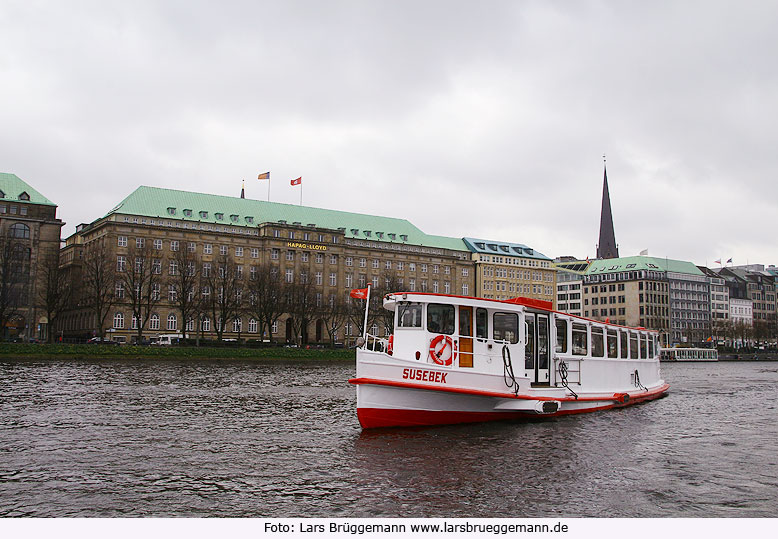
(280, 439)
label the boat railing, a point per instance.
(374, 343)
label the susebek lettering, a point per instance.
(425, 376)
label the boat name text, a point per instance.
(424, 376)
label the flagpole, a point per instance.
(268, 189)
(367, 306)
(301, 193)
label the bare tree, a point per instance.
(141, 283)
(266, 298)
(334, 313)
(99, 276)
(12, 254)
(225, 299)
(57, 291)
(301, 305)
(185, 282)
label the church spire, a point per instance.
(607, 247)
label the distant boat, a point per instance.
(688, 354)
(455, 359)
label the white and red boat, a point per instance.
(455, 359)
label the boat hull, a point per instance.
(383, 403)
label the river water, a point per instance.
(108, 438)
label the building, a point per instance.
(570, 276)
(328, 251)
(630, 291)
(754, 283)
(29, 247)
(508, 270)
(689, 302)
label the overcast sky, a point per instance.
(485, 119)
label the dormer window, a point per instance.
(355, 231)
(518, 250)
(219, 216)
(404, 237)
(379, 235)
(234, 218)
(492, 246)
(24, 196)
(504, 248)
(297, 223)
(312, 225)
(171, 211)
(249, 219)
(392, 236)
(480, 245)
(368, 233)
(188, 213)
(204, 215)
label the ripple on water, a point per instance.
(280, 439)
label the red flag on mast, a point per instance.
(359, 293)
(297, 181)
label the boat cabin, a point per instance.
(482, 335)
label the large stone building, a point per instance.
(632, 291)
(334, 251)
(570, 276)
(29, 246)
(508, 270)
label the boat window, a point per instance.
(633, 346)
(644, 346)
(650, 347)
(440, 318)
(561, 336)
(481, 322)
(623, 339)
(506, 327)
(409, 315)
(465, 321)
(580, 341)
(598, 342)
(613, 344)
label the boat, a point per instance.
(456, 359)
(688, 354)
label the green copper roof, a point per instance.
(631, 263)
(12, 187)
(502, 248)
(235, 211)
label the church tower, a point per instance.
(607, 247)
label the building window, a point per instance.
(158, 245)
(254, 252)
(465, 289)
(154, 322)
(252, 325)
(333, 259)
(20, 230)
(223, 250)
(290, 256)
(119, 290)
(238, 251)
(172, 322)
(121, 263)
(118, 321)
(172, 296)
(464, 272)
(174, 245)
(349, 261)
(122, 241)
(362, 263)
(205, 324)
(274, 254)
(333, 279)
(173, 268)
(237, 325)
(207, 248)
(171, 211)
(191, 247)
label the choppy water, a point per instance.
(281, 439)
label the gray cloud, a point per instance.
(467, 119)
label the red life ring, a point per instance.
(437, 355)
(390, 345)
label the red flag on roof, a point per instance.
(359, 293)
(297, 181)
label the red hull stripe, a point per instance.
(480, 393)
(372, 418)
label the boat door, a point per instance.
(465, 336)
(537, 352)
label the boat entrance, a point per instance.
(536, 351)
(465, 336)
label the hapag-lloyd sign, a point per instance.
(311, 246)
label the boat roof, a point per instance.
(532, 303)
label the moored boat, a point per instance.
(688, 354)
(455, 359)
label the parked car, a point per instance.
(98, 340)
